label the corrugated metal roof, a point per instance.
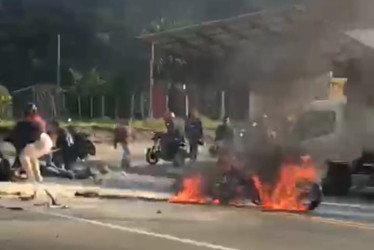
(364, 36)
(215, 38)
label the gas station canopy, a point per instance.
(217, 38)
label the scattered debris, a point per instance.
(87, 194)
(52, 198)
(58, 206)
(15, 208)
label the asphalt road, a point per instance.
(130, 224)
(133, 225)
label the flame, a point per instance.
(286, 195)
(191, 191)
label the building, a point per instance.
(274, 61)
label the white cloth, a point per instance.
(30, 155)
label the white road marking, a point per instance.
(347, 205)
(139, 231)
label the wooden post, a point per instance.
(186, 100)
(151, 81)
(249, 106)
(142, 104)
(167, 102)
(132, 107)
(102, 106)
(91, 106)
(63, 101)
(116, 107)
(79, 100)
(223, 105)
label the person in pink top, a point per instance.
(31, 114)
(122, 134)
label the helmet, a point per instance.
(226, 119)
(169, 116)
(30, 109)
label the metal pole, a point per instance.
(102, 106)
(142, 104)
(151, 81)
(59, 73)
(186, 100)
(132, 107)
(58, 59)
(223, 105)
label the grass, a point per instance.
(147, 125)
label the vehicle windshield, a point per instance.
(313, 124)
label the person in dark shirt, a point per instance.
(64, 145)
(225, 133)
(174, 135)
(194, 133)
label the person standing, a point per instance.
(122, 134)
(64, 145)
(194, 133)
(225, 134)
(39, 144)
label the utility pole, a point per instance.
(58, 59)
(61, 95)
(151, 81)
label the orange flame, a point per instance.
(191, 191)
(285, 194)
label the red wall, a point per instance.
(158, 102)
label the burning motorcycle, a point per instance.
(167, 148)
(295, 188)
(233, 185)
(284, 178)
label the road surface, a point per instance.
(130, 224)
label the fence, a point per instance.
(47, 97)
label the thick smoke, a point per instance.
(290, 64)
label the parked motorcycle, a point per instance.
(83, 146)
(177, 153)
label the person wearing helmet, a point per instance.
(174, 135)
(169, 121)
(31, 114)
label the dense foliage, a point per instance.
(98, 38)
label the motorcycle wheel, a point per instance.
(312, 196)
(151, 156)
(315, 196)
(179, 159)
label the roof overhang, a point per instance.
(217, 38)
(364, 36)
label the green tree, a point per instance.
(78, 89)
(93, 84)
